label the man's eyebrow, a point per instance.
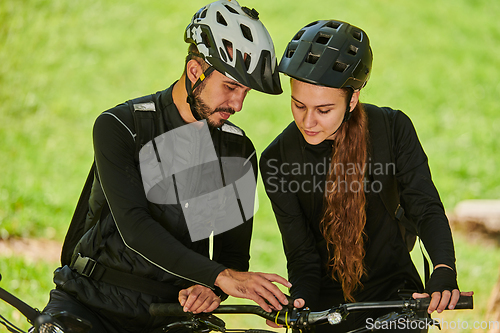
(234, 83)
(318, 106)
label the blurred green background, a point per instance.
(64, 62)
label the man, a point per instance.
(155, 243)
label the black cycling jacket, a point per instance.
(146, 239)
(298, 207)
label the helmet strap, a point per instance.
(190, 89)
(347, 114)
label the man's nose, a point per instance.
(236, 100)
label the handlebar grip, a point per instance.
(167, 310)
(464, 302)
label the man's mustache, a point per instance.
(227, 110)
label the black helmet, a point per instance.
(329, 53)
(224, 25)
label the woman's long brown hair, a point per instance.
(344, 215)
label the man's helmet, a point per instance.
(233, 40)
(329, 53)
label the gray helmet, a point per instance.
(329, 53)
(224, 25)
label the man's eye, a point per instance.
(230, 87)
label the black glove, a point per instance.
(443, 278)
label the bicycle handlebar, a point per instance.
(304, 317)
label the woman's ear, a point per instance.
(354, 100)
(193, 71)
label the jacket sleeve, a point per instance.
(114, 149)
(303, 259)
(419, 196)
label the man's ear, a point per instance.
(193, 71)
(354, 100)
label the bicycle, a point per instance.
(303, 320)
(62, 322)
(299, 320)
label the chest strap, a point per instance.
(90, 268)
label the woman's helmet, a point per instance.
(233, 40)
(329, 53)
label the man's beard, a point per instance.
(204, 111)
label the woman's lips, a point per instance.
(310, 133)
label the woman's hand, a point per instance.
(439, 301)
(197, 299)
(443, 289)
(298, 303)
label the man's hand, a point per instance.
(258, 287)
(197, 299)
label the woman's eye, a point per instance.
(300, 107)
(324, 111)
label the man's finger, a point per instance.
(183, 294)
(272, 288)
(276, 278)
(201, 303)
(213, 306)
(273, 324)
(193, 296)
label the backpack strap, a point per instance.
(145, 121)
(382, 140)
(77, 224)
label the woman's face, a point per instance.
(318, 111)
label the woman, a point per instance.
(323, 176)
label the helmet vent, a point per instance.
(247, 33)
(322, 38)
(231, 9)
(248, 60)
(353, 50)
(223, 54)
(298, 35)
(205, 40)
(220, 19)
(203, 13)
(333, 25)
(357, 34)
(312, 58)
(339, 66)
(228, 46)
(289, 53)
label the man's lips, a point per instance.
(224, 115)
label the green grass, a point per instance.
(64, 62)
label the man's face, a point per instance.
(218, 97)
